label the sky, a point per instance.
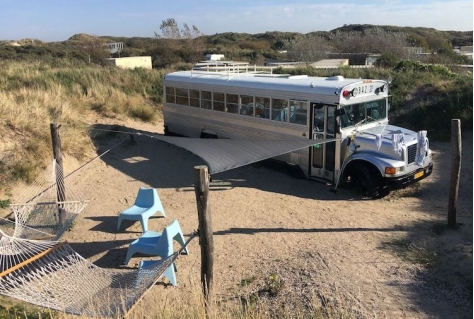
(58, 20)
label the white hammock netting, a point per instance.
(35, 267)
(49, 205)
(51, 274)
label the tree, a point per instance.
(187, 38)
(308, 48)
(373, 40)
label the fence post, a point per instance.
(201, 188)
(456, 154)
(59, 171)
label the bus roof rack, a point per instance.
(229, 67)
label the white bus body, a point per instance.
(369, 153)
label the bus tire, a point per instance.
(367, 181)
(166, 131)
(208, 135)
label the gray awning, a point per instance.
(225, 154)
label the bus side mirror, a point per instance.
(339, 112)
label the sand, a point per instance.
(387, 258)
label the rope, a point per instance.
(124, 132)
(93, 159)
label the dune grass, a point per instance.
(35, 94)
(243, 303)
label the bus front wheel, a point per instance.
(366, 181)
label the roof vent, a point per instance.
(335, 78)
(302, 76)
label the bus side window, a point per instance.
(247, 110)
(232, 103)
(298, 112)
(279, 110)
(246, 107)
(170, 95)
(182, 96)
(206, 100)
(262, 107)
(194, 99)
(218, 102)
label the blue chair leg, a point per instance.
(170, 274)
(144, 222)
(119, 222)
(130, 253)
(158, 204)
(180, 239)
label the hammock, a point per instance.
(51, 274)
(49, 205)
(37, 268)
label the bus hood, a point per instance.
(387, 140)
(386, 132)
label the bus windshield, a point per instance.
(364, 113)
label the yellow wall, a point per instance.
(131, 62)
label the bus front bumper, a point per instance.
(406, 180)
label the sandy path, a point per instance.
(332, 247)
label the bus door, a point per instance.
(323, 155)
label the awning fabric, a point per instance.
(225, 154)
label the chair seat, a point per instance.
(147, 203)
(146, 243)
(151, 234)
(134, 212)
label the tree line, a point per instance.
(176, 44)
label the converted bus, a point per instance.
(229, 100)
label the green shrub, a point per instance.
(4, 203)
(387, 60)
(416, 66)
(429, 101)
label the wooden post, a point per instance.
(61, 192)
(201, 187)
(456, 154)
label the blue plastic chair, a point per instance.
(146, 205)
(158, 244)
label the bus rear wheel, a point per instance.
(366, 181)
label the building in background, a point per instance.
(214, 57)
(465, 50)
(116, 47)
(330, 63)
(131, 62)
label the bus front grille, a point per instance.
(411, 151)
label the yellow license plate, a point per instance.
(419, 174)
